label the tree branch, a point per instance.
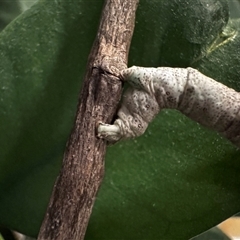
(82, 171)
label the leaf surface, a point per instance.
(179, 178)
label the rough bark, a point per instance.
(82, 171)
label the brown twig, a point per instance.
(83, 164)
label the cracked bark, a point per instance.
(82, 171)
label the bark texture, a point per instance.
(82, 171)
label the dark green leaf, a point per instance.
(179, 179)
(43, 57)
(8, 11)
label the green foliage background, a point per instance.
(179, 179)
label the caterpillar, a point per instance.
(199, 97)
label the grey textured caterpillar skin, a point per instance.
(201, 98)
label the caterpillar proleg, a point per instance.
(199, 97)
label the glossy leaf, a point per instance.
(178, 179)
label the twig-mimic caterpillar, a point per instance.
(199, 97)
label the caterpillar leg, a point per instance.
(111, 133)
(137, 110)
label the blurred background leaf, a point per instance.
(178, 179)
(9, 10)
